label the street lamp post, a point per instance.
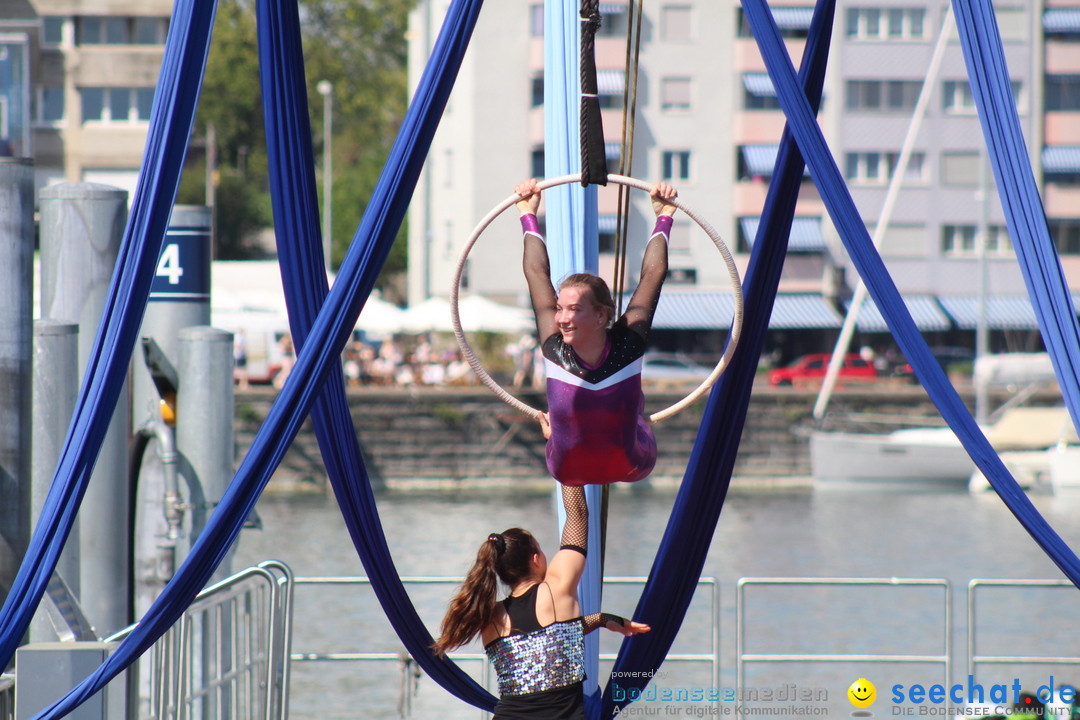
(326, 89)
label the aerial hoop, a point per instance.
(725, 253)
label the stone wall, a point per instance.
(446, 437)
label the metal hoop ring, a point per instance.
(725, 253)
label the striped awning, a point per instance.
(1061, 159)
(1062, 20)
(759, 84)
(806, 235)
(612, 8)
(924, 310)
(610, 82)
(607, 224)
(714, 310)
(694, 311)
(1003, 312)
(793, 18)
(760, 159)
(803, 312)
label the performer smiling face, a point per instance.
(581, 321)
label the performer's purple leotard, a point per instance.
(598, 431)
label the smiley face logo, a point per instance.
(862, 693)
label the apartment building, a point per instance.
(708, 121)
(81, 107)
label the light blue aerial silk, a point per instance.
(571, 230)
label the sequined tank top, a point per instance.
(533, 658)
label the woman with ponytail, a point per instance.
(535, 637)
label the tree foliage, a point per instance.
(359, 46)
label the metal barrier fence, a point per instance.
(227, 658)
(7, 697)
(975, 659)
(743, 657)
(712, 657)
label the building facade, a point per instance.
(707, 120)
(83, 110)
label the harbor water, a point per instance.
(802, 533)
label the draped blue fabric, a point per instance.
(1039, 262)
(170, 127)
(834, 192)
(296, 221)
(685, 545)
(322, 349)
(571, 230)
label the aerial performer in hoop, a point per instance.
(595, 425)
(535, 637)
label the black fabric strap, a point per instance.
(593, 155)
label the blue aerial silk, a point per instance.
(571, 220)
(834, 192)
(1039, 262)
(171, 120)
(322, 349)
(296, 221)
(674, 575)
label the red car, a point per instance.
(810, 369)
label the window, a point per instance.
(93, 104)
(958, 98)
(537, 162)
(538, 91)
(875, 168)
(681, 276)
(675, 23)
(91, 31)
(51, 105)
(1062, 93)
(871, 23)
(962, 240)
(753, 101)
(675, 165)
(679, 239)
(612, 24)
(52, 30)
(675, 93)
(1066, 235)
(119, 104)
(536, 20)
(144, 103)
(960, 169)
(117, 31)
(792, 22)
(883, 95)
(902, 95)
(116, 105)
(150, 30)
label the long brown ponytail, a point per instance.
(504, 556)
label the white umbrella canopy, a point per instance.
(477, 314)
(379, 316)
(432, 315)
(480, 314)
